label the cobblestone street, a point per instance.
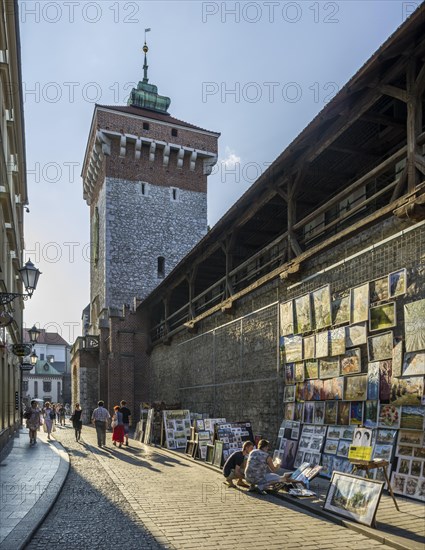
(141, 498)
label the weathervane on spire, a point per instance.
(145, 65)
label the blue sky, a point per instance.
(257, 72)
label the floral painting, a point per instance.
(389, 416)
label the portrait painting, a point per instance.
(412, 418)
(356, 413)
(414, 325)
(286, 315)
(389, 416)
(360, 303)
(380, 347)
(371, 414)
(293, 348)
(322, 344)
(397, 283)
(289, 455)
(341, 310)
(373, 380)
(414, 363)
(321, 302)
(329, 367)
(362, 437)
(355, 335)
(351, 362)
(407, 391)
(382, 316)
(331, 408)
(343, 417)
(337, 341)
(385, 374)
(309, 343)
(356, 388)
(379, 290)
(299, 372)
(311, 369)
(302, 314)
(397, 356)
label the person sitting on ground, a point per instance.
(261, 473)
(235, 465)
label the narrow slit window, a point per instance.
(143, 187)
(174, 132)
(161, 267)
(146, 126)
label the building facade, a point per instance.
(44, 382)
(13, 198)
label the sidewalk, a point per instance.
(403, 530)
(30, 481)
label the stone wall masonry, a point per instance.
(98, 271)
(85, 382)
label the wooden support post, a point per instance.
(293, 246)
(413, 125)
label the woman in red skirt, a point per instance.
(118, 427)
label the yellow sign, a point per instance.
(360, 453)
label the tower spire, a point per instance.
(145, 65)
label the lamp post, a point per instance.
(22, 350)
(29, 276)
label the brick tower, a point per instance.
(145, 180)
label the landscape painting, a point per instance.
(293, 348)
(343, 417)
(311, 369)
(407, 391)
(355, 335)
(382, 317)
(337, 341)
(360, 303)
(356, 388)
(412, 418)
(371, 414)
(351, 362)
(302, 314)
(286, 311)
(380, 347)
(397, 283)
(322, 344)
(321, 302)
(329, 367)
(309, 343)
(341, 310)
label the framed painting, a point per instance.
(210, 454)
(362, 437)
(218, 454)
(329, 367)
(289, 393)
(359, 303)
(398, 356)
(299, 459)
(331, 446)
(293, 348)
(383, 452)
(385, 373)
(403, 466)
(337, 341)
(309, 344)
(414, 364)
(319, 413)
(311, 369)
(302, 314)
(355, 335)
(289, 373)
(414, 325)
(351, 362)
(288, 411)
(308, 412)
(331, 408)
(356, 413)
(348, 432)
(322, 344)
(356, 388)
(373, 381)
(317, 389)
(321, 305)
(299, 372)
(289, 454)
(334, 432)
(327, 465)
(379, 290)
(407, 391)
(316, 443)
(398, 483)
(341, 310)
(386, 437)
(412, 418)
(353, 498)
(414, 439)
(308, 390)
(371, 414)
(286, 315)
(298, 412)
(337, 388)
(343, 416)
(389, 416)
(404, 451)
(397, 283)
(380, 347)
(382, 317)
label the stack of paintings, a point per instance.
(176, 426)
(233, 435)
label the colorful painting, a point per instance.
(343, 417)
(321, 302)
(311, 369)
(386, 437)
(360, 304)
(407, 391)
(380, 347)
(412, 418)
(389, 416)
(331, 408)
(293, 348)
(373, 381)
(385, 373)
(322, 344)
(337, 388)
(414, 364)
(356, 413)
(352, 361)
(382, 317)
(341, 310)
(302, 314)
(414, 325)
(371, 414)
(397, 283)
(329, 367)
(308, 390)
(299, 372)
(379, 290)
(397, 356)
(309, 343)
(286, 311)
(355, 335)
(317, 389)
(343, 448)
(383, 452)
(356, 388)
(337, 341)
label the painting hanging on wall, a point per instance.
(385, 373)
(309, 343)
(356, 388)
(397, 356)
(322, 344)
(289, 373)
(380, 347)
(302, 314)
(379, 290)
(343, 416)
(412, 418)
(286, 311)
(331, 408)
(299, 372)
(311, 369)
(329, 367)
(356, 413)
(397, 283)
(293, 348)
(371, 414)
(414, 325)
(382, 317)
(407, 391)
(351, 362)
(373, 380)
(337, 341)
(308, 412)
(341, 310)
(360, 303)
(414, 364)
(355, 335)
(289, 393)
(321, 302)
(389, 416)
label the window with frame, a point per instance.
(47, 386)
(161, 267)
(25, 385)
(36, 389)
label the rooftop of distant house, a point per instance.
(49, 338)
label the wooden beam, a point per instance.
(414, 124)
(401, 182)
(396, 93)
(385, 120)
(420, 80)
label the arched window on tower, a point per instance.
(161, 267)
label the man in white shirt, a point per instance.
(100, 419)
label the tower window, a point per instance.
(143, 188)
(174, 132)
(146, 126)
(174, 192)
(161, 267)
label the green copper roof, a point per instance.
(146, 96)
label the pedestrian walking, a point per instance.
(57, 407)
(100, 419)
(118, 427)
(49, 418)
(34, 421)
(77, 423)
(126, 413)
(62, 414)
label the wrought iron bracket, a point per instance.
(7, 297)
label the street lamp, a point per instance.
(29, 275)
(33, 334)
(33, 358)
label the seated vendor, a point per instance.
(235, 465)
(261, 473)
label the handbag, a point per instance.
(114, 422)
